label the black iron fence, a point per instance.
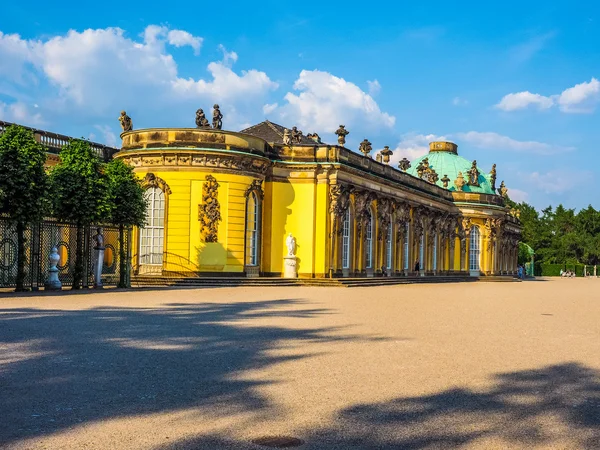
(42, 237)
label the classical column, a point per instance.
(451, 247)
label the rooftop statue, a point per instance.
(125, 121)
(445, 181)
(503, 190)
(296, 135)
(422, 167)
(365, 147)
(378, 157)
(315, 137)
(386, 153)
(201, 120)
(473, 175)
(493, 177)
(459, 182)
(217, 121)
(404, 164)
(287, 140)
(341, 134)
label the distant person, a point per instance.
(520, 272)
(562, 274)
(417, 266)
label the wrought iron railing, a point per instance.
(55, 142)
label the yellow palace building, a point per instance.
(249, 203)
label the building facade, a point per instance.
(223, 203)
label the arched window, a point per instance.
(369, 241)
(474, 249)
(152, 236)
(435, 241)
(389, 244)
(407, 228)
(346, 241)
(252, 229)
(422, 252)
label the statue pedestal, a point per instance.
(52, 282)
(290, 267)
(98, 263)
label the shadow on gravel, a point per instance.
(59, 369)
(552, 407)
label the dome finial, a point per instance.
(443, 146)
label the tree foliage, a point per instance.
(561, 235)
(129, 206)
(23, 186)
(80, 194)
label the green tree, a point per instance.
(129, 207)
(23, 186)
(80, 194)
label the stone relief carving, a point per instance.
(385, 207)
(209, 212)
(125, 121)
(201, 120)
(256, 187)
(339, 196)
(341, 134)
(151, 180)
(217, 121)
(362, 206)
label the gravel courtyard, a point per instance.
(472, 365)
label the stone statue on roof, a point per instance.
(365, 147)
(473, 174)
(341, 134)
(404, 164)
(503, 190)
(445, 181)
(125, 122)
(217, 121)
(315, 137)
(287, 140)
(493, 177)
(386, 153)
(459, 183)
(201, 120)
(296, 135)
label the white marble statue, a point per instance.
(291, 245)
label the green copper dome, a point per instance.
(444, 160)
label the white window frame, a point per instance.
(406, 248)
(346, 240)
(252, 229)
(389, 244)
(474, 249)
(153, 234)
(369, 242)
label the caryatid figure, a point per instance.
(217, 121)
(341, 134)
(125, 122)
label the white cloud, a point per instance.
(581, 98)
(517, 195)
(495, 141)
(413, 146)
(180, 38)
(325, 101)
(269, 108)
(559, 181)
(20, 113)
(108, 137)
(521, 100)
(97, 72)
(374, 88)
(457, 101)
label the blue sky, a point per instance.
(514, 84)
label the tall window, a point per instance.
(435, 241)
(389, 244)
(406, 246)
(153, 234)
(422, 251)
(346, 241)
(369, 242)
(474, 249)
(252, 229)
